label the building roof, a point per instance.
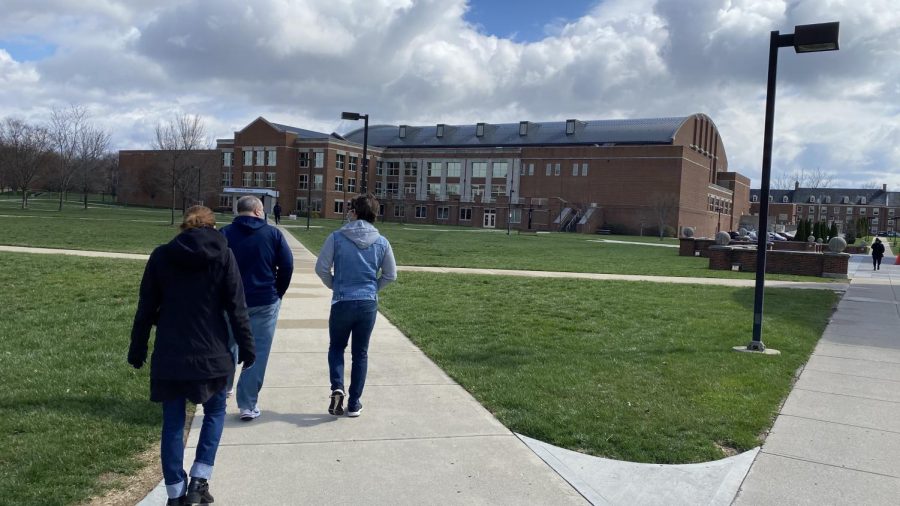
(854, 196)
(300, 132)
(620, 131)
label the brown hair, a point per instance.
(365, 207)
(198, 216)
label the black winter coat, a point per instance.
(189, 285)
(878, 250)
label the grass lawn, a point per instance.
(76, 415)
(635, 371)
(426, 245)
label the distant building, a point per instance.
(624, 175)
(831, 205)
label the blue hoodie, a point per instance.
(264, 258)
(357, 252)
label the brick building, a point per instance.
(838, 205)
(575, 175)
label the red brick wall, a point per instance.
(802, 263)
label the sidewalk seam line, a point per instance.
(842, 424)
(792, 457)
(847, 395)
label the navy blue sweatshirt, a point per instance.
(264, 258)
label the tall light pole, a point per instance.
(509, 211)
(309, 183)
(355, 116)
(805, 39)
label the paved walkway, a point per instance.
(837, 437)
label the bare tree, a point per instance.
(25, 154)
(662, 208)
(871, 185)
(178, 139)
(92, 145)
(109, 165)
(814, 178)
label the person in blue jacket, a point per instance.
(363, 263)
(266, 264)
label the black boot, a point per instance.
(178, 501)
(198, 492)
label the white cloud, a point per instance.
(418, 61)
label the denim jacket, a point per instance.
(356, 252)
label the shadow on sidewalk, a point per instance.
(298, 419)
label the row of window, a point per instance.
(555, 169)
(437, 189)
(812, 199)
(251, 179)
(261, 157)
(499, 170)
(849, 210)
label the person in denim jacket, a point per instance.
(355, 262)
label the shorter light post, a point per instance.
(509, 211)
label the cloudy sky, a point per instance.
(301, 62)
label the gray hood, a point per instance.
(361, 232)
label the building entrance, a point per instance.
(490, 218)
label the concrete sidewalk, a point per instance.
(421, 439)
(837, 437)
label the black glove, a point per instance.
(137, 355)
(246, 357)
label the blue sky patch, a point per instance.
(524, 20)
(28, 48)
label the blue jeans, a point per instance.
(172, 443)
(356, 317)
(262, 325)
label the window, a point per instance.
(574, 169)
(434, 188)
(890, 212)
(498, 190)
(584, 169)
(304, 160)
(453, 189)
(500, 169)
(784, 199)
(303, 184)
(439, 131)
(320, 160)
(479, 169)
(812, 199)
(270, 180)
(570, 126)
(530, 169)
(379, 168)
(477, 189)
(434, 169)
(812, 209)
(479, 130)
(399, 211)
(454, 169)
(823, 210)
(443, 213)
(339, 184)
(260, 157)
(862, 200)
(227, 156)
(272, 159)
(523, 128)
(226, 178)
(226, 200)
(316, 206)
(836, 210)
(258, 179)
(849, 210)
(827, 199)
(862, 211)
(380, 209)
(248, 179)
(874, 221)
(393, 168)
(410, 188)
(351, 185)
(318, 182)
(248, 157)
(556, 169)
(515, 215)
(402, 131)
(339, 162)
(393, 188)
(411, 168)
(754, 198)
(353, 161)
(875, 211)
(465, 214)
(379, 189)
(339, 206)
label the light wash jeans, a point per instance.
(172, 442)
(262, 325)
(356, 317)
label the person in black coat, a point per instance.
(188, 285)
(877, 254)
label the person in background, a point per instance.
(877, 254)
(363, 263)
(187, 286)
(277, 212)
(266, 264)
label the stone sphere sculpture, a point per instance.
(811, 238)
(688, 231)
(742, 232)
(837, 244)
(723, 238)
(819, 241)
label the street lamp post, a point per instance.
(309, 183)
(805, 39)
(509, 211)
(355, 116)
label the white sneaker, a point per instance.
(249, 414)
(229, 393)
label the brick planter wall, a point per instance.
(797, 246)
(802, 263)
(688, 246)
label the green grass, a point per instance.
(634, 371)
(433, 246)
(73, 409)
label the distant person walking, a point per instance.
(356, 252)
(877, 254)
(266, 265)
(188, 284)
(277, 212)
